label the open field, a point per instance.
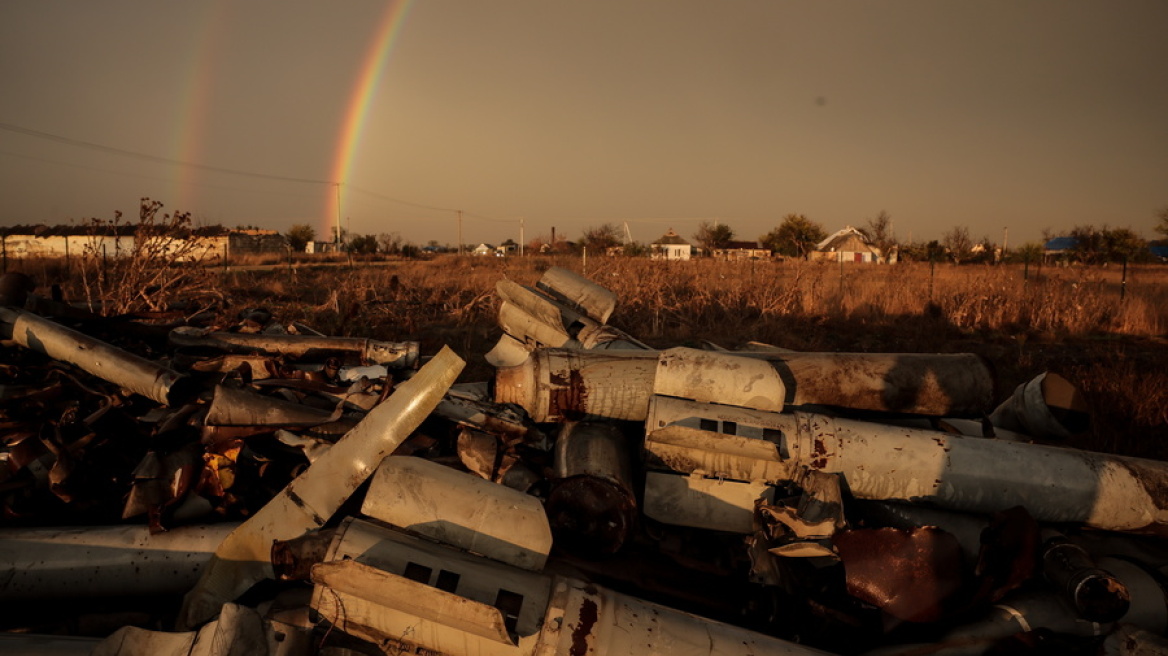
(1086, 324)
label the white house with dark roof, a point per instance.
(671, 246)
(847, 245)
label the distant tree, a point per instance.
(363, 245)
(635, 249)
(390, 243)
(1028, 252)
(712, 236)
(600, 238)
(796, 236)
(879, 231)
(1162, 221)
(299, 236)
(958, 243)
(1123, 244)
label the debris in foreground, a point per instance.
(317, 495)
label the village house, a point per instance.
(671, 246)
(847, 245)
(742, 250)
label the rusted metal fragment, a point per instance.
(103, 561)
(305, 504)
(478, 452)
(138, 375)
(507, 421)
(238, 631)
(313, 447)
(1048, 407)
(709, 503)
(815, 515)
(557, 384)
(397, 355)
(530, 330)
(1017, 614)
(592, 504)
(292, 560)
(461, 510)
(1128, 640)
(1145, 587)
(1096, 594)
(564, 385)
(910, 575)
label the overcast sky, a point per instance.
(987, 114)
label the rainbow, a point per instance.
(358, 109)
(195, 101)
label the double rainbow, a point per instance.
(357, 109)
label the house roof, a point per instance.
(671, 238)
(744, 245)
(836, 239)
(1060, 244)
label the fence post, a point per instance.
(1123, 282)
(932, 274)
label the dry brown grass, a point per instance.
(1069, 320)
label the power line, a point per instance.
(152, 158)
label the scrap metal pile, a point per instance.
(257, 488)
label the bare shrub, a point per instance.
(161, 259)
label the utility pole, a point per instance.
(520, 236)
(1005, 239)
(337, 227)
(460, 232)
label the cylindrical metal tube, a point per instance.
(238, 407)
(585, 296)
(592, 504)
(1095, 593)
(396, 355)
(558, 384)
(983, 475)
(103, 360)
(104, 561)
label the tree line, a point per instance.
(796, 236)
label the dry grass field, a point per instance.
(1105, 335)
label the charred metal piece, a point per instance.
(910, 575)
(243, 558)
(1096, 594)
(398, 355)
(592, 504)
(138, 375)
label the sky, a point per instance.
(504, 119)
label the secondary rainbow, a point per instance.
(357, 109)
